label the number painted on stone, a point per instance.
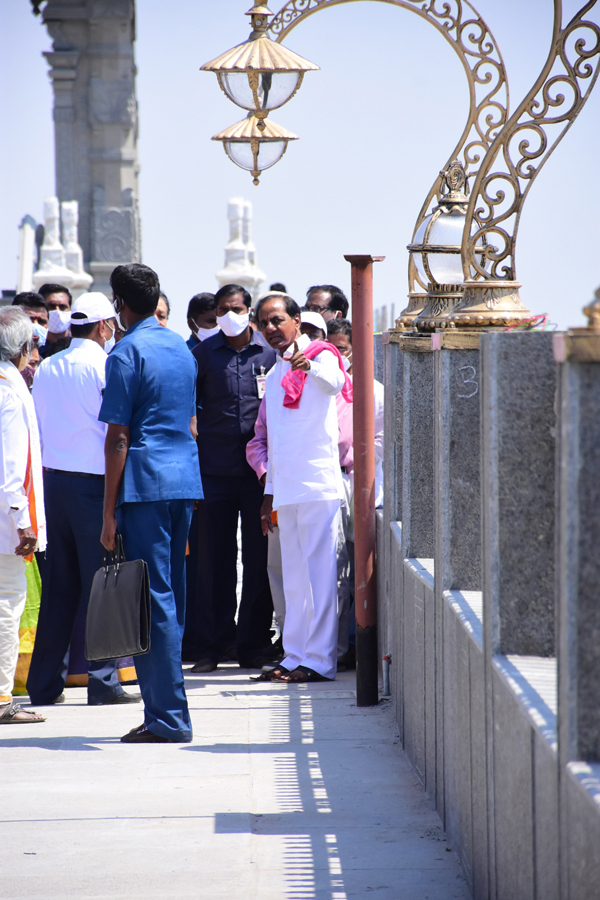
(468, 375)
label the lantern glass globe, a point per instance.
(269, 152)
(447, 229)
(274, 88)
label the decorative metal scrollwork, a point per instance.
(464, 29)
(523, 145)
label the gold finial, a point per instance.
(592, 311)
(259, 17)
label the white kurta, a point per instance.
(67, 392)
(303, 461)
(19, 438)
(305, 479)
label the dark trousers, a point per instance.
(189, 647)
(226, 497)
(158, 533)
(74, 524)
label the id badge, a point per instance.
(260, 385)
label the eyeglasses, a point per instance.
(316, 309)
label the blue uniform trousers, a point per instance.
(74, 524)
(157, 532)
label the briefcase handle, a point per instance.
(118, 555)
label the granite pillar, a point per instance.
(389, 547)
(518, 455)
(518, 431)
(578, 550)
(95, 119)
(417, 447)
(457, 464)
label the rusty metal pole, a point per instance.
(363, 374)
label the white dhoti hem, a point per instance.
(13, 594)
(308, 533)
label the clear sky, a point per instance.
(376, 125)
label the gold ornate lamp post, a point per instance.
(436, 250)
(259, 75)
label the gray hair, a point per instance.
(15, 331)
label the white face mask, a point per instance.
(110, 343)
(60, 319)
(40, 332)
(347, 363)
(203, 333)
(232, 324)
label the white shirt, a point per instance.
(303, 462)
(14, 447)
(67, 392)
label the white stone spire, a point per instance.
(80, 279)
(58, 263)
(52, 254)
(240, 253)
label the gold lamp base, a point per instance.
(489, 304)
(442, 300)
(416, 304)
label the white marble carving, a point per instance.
(240, 253)
(62, 263)
(26, 254)
(53, 267)
(80, 279)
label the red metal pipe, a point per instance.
(363, 375)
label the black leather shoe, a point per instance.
(59, 699)
(203, 666)
(144, 736)
(259, 662)
(120, 698)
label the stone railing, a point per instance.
(488, 564)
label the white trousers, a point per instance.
(308, 534)
(343, 573)
(275, 573)
(13, 594)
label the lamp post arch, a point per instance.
(470, 37)
(491, 290)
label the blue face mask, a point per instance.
(110, 343)
(40, 333)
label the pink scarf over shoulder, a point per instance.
(293, 382)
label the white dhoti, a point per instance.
(308, 533)
(13, 594)
(275, 574)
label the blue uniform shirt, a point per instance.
(228, 401)
(150, 387)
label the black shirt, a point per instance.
(228, 401)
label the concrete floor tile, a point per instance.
(285, 793)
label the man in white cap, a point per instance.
(67, 393)
(313, 325)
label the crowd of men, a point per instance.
(111, 424)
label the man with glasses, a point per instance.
(327, 300)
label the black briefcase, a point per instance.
(118, 616)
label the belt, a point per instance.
(75, 474)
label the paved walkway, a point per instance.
(286, 793)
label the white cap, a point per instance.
(95, 306)
(313, 318)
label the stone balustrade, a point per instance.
(489, 597)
